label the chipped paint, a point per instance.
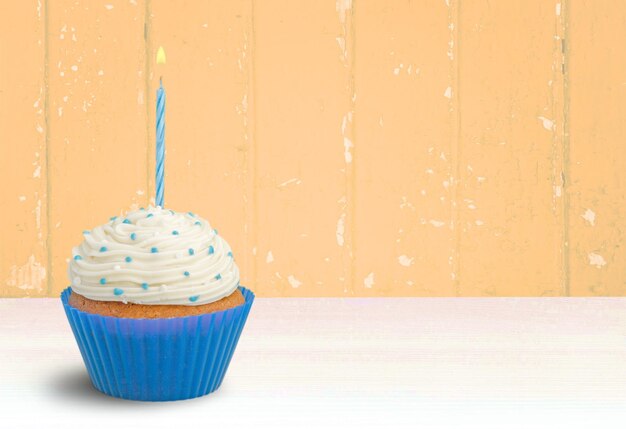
(294, 282)
(295, 180)
(405, 261)
(28, 277)
(368, 282)
(548, 124)
(596, 260)
(38, 214)
(341, 41)
(347, 144)
(341, 228)
(405, 204)
(589, 216)
(346, 123)
(343, 7)
(502, 139)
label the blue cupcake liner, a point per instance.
(158, 359)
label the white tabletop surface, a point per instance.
(390, 362)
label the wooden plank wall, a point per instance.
(24, 236)
(596, 85)
(344, 148)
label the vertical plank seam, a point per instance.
(46, 102)
(147, 69)
(566, 146)
(455, 143)
(351, 204)
(556, 177)
(253, 241)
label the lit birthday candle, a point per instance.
(160, 134)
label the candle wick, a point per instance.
(161, 80)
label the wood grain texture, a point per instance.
(23, 172)
(97, 125)
(303, 108)
(597, 131)
(404, 150)
(209, 149)
(346, 148)
(510, 211)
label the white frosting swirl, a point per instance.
(154, 256)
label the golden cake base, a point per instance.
(140, 311)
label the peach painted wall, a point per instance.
(370, 148)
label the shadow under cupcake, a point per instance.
(155, 305)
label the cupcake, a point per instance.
(155, 305)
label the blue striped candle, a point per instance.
(160, 144)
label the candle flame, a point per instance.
(160, 59)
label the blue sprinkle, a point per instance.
(172, 212)
(174, 232)
(141, 208)
(78, 258)
(211, 250)
(197, 222)
(218, 277)
(133, 235)
(230, 254)
(144, 286)
(154, 250)
(103, 249)
(86, 232)
(103, 281)
(150, 215)
(113, 218)
(186, 273)
(126, 221)
(215, 231)
(191, 252)
(191, 214)
(117, 291)
(193, 298)
(128, 259)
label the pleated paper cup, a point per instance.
(158, 359)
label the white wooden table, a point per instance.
(352, 362)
